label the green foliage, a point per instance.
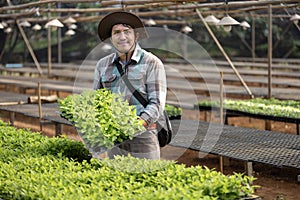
(36, 167)
(270, 107)
(63, 146)
(102, 117)
(23, 142)
(173, 111)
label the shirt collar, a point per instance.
(136, 56)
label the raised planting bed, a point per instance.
(174, 112)
(267, 109)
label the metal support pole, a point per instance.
(221, 160)
(49, 45)
(59, 41)
(49, 51)
(36, 62)
(40, 101)
(249, 168)
(225, 54)
(12, 116)
(221, 98)
(270, 50)
(268, 124)
(253, 39)
(59, 46)
(297, 26)
(58, 129)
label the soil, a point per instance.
(275, 183)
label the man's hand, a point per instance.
(144, 123)
(148, 126)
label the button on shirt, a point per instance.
(147, 75)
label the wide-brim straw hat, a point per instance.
(120, 17)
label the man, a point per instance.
(145, 72)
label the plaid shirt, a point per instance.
(147, 75)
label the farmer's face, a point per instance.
(123, 38)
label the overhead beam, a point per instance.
(234, 4)
(172, 5)
(170, 13)
(101, 3)
(39, 3)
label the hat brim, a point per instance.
(120, 17)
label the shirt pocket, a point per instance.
(109, 81)
(138, 82)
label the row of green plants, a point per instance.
(33, 166)
(271, 107)
(174, 112)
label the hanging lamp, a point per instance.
(54, 23)
(211, 19)
(150, 22)
(186, 29)
(36, 27)
(8, 30)
(25, 24)
(295, 18)
(4, 24)
(70, 32)
(70, 20)
(245, 25)
(72, 26)
(227, 22)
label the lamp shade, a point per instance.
(186, 29)
(1, 26)
(73, 26)
(211, 19)
(245, 24)
(25, 24)
(295, 18)
(55, 23)
(70, 32)
(227, 21)
(36, 27)
(70, 20)
(4, 24)
(8, 30)
(150, 22)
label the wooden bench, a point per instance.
(265, 60)
(227, 70)
(277, 65)
(231, 79)
(50, 114)
(24, 83)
